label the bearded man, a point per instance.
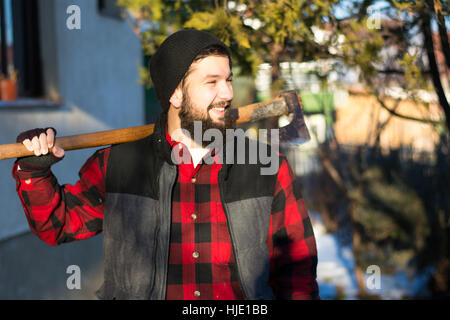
(178, 230)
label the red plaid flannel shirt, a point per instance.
(201, 260)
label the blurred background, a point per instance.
(374, 81)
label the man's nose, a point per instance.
(226, 91)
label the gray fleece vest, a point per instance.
(137, 220)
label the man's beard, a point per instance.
(188, 115)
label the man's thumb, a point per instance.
(58, 152)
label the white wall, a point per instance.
(94, 71)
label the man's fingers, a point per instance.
(43, 142)
(27, 143)
(50, 137)
(36, 146)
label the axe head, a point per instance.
(296, 132)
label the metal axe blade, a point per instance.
(296, 132)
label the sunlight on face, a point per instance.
(208, 87)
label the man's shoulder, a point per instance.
(133, 168)
(141, 147)
(139, 153)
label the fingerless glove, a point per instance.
(35, 163)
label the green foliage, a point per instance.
(284, 23)
(362, 48)
(402, 4)
(414, 77)
(144, 77)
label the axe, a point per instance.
(287, 103)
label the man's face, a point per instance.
(207, 94)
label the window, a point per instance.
(109, 8)
(20, 45)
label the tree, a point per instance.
(413, 65)
(257, 31)
(286, 30)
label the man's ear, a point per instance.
(177, 98)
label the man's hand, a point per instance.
(40, 141)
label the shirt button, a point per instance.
(193, 180)
(196, 294)
(195, 254)
(193, 216)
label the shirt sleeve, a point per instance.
(64, 213)
(291, 241)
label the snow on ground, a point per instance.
(335, 263)
(403, 284)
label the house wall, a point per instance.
(94, 72)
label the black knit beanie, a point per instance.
(174, 57)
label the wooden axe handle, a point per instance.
(253, 112)
(83, 141)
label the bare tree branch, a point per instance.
(395, 113)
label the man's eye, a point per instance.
(211, 82)
(230, 80)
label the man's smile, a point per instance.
(219, 109)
